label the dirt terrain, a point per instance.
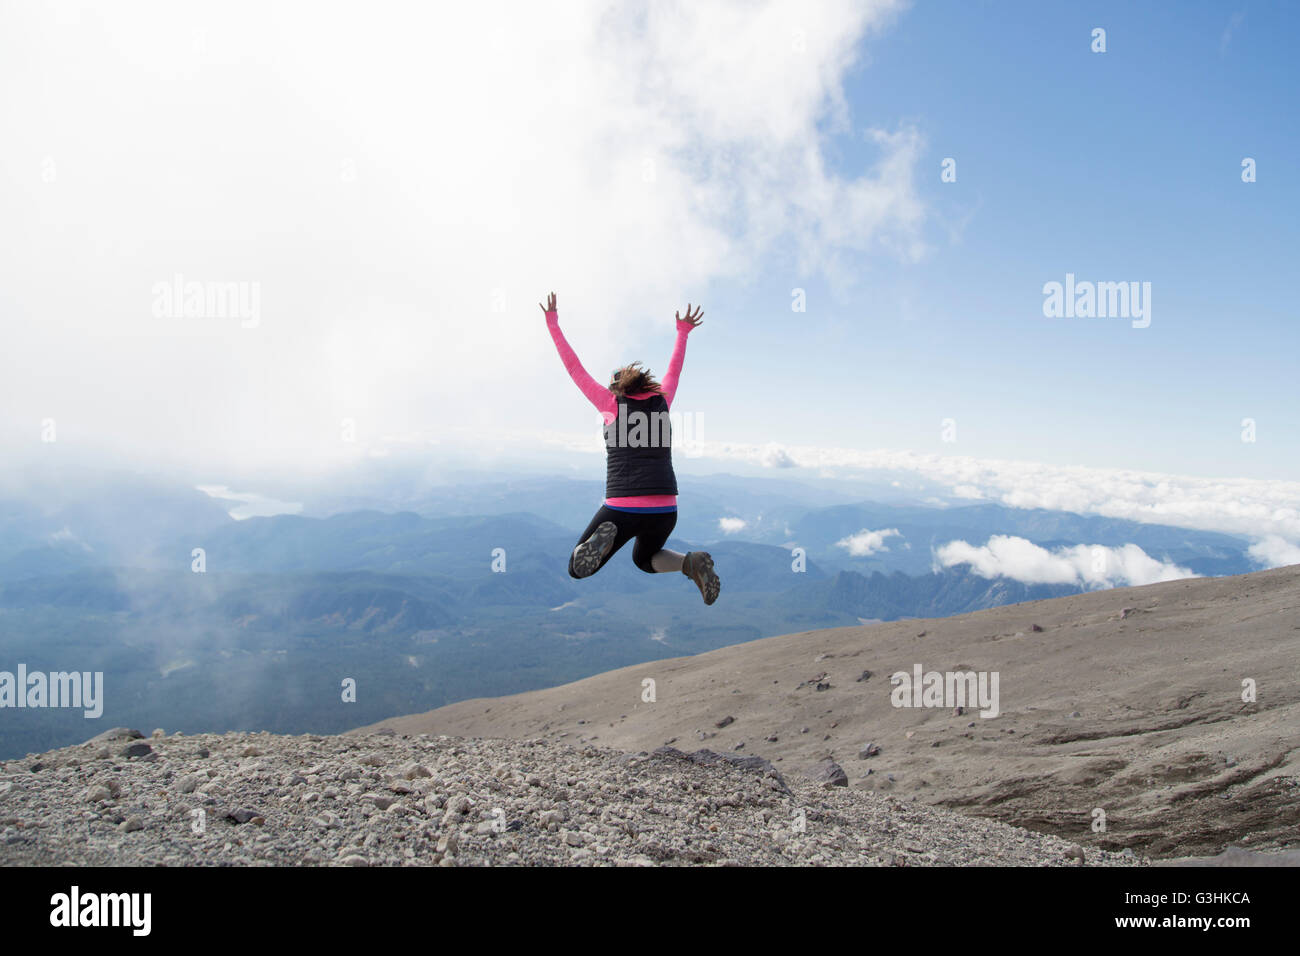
(1121, 707)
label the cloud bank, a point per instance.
(1090, 566)
(395, 191)
(1274, 551)
(1258, 508)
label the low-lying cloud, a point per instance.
(1082, 565)
(867, 542)
(1254, 507)
(1274, 551)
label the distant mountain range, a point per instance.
(408, 605)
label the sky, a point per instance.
(371, 200)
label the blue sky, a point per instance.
(1123, 165)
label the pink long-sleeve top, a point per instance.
(607, 404)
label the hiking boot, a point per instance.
(698, 566)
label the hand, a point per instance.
(693, 319)
(550, 304)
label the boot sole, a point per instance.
(705, 578)
(588, 555)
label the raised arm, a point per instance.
(674, 372)
(596, 393)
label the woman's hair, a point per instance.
(632, 380)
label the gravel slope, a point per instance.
(1127, 701)
(383, 799)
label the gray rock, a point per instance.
(115, 734)
(136, 750)
(828, 773)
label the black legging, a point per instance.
(650, 529)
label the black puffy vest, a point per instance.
(638, 449)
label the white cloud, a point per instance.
(1093, 566)
(1244, 506)
(66, 534)
(251, 505)
(867, 542)
(1274, 551)
(774, 456)
(403, 188)
(731, 525)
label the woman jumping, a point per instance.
(640, 486)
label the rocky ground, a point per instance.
(1128, 702)
(385, 799)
